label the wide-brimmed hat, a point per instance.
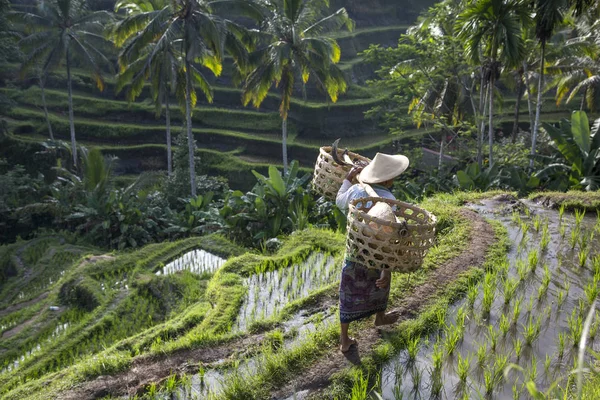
(383, 168)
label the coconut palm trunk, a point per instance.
(442, 146)
(284, 144)
(528, 91)
(168, 121)
(515, 129)
(42, 85)
(491, 119)
(71, 118)
(188, 117)
(538, 106)
(482, 94)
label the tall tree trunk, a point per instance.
(528, 91)
(482, 127)
(538, 106)
(491, 119)
(515, 129)
(442, 145)
(169, 153)
(482, 94)
(188, 116)
(284, 144)
(71, 118)
(42, 85)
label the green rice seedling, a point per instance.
(561, 212)
(510, 287)
(575, 323)
(488, 378)
(591, 290)
(547, 364)
(533, 259)
(461, 317)
(437, 356)
(562, 230)
(596, 263)
(594, 326)
(516, 217)
(527, 212)
(582, 256)
(561, 344)
(171, 383)
(472, 293)
(530, 305)
(518, 347)
(152, 390)
(579, 215)
(574, 239)
(482, 354)
(567, 284)
(532, 371)
(545, 240)
(516, 310)
(499, 366)
(504, 325)
(516, 392)
(440, 315)
(489, 292)
(463, 367)
(492, 337)
(451, 340)
(531, 331)
(537, 223)
(360, 389)
(522, 269)
(412, 347)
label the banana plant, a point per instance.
(580, 148)
(472, 177)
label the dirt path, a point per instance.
(319, 375)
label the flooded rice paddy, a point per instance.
(269, 292)
(197, 261)
(528, 312)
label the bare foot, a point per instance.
(345, 346)
(386, 319)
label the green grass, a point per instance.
(571, 200)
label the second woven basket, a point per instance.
(399, 246)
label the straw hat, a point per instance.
(383, 168)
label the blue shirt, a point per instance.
(349, 192)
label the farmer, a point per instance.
(365, 291)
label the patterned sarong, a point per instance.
(359, 297)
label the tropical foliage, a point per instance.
(57, 32)
(295, 46)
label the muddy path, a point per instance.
(312, 381)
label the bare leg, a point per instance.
(381, 318)
(346, 341)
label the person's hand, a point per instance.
(353, 172)
(384, 280)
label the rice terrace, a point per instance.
(299, 199)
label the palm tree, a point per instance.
(493, 27)
(295, 46)
(191, 36)
(159, 66)
(548, 14)
(60, 30)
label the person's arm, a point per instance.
(344, 195)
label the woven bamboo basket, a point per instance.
(380, 244)
(329, 175)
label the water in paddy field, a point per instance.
(544, 304)
(196, 261)
(269, 292)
